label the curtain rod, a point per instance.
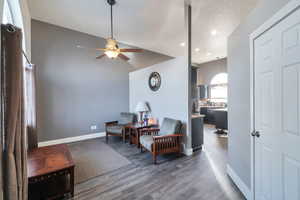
(24, 54)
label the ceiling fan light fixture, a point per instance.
(111, 44)
(213, 32)
(112, 50)
(111, 54)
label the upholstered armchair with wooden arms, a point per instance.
(118, 128)
(167, 139)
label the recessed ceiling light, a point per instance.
(182, 44)
(197, 49)
(208, 54)
(214, 32)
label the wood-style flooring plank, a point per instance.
(198, 177)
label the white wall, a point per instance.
(207, 71)
(171, 100)
(239, 88)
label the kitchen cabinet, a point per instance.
(197, 131)
(208, 111)
(220, 116)
(203, 92)
(194, 88)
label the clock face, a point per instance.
(154, 81)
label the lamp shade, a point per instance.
(142, 107)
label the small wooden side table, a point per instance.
(134, 132)
(51, 163)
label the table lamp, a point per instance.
(142, 107)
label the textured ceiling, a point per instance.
(157, 25)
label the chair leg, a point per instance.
(179, 149)
(130, 137)
(141, 149)
(106, 138)
(154, 159)
(178, 154)
(124, 137)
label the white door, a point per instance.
(277, 111)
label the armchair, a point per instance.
(167, 139)
(118, 128)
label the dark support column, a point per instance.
(188, 55)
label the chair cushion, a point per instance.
(170, 126)
(147, 141)
(117, 129)
(127, 118)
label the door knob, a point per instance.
(255, 134)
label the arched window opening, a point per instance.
(7, 14)
(219, 88)
(12, 14)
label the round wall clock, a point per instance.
(154, 81)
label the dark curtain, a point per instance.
(13, 131)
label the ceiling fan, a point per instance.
(112, 49)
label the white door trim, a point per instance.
(275, 19)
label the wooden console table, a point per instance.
(51, 163)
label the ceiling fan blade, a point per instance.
(131, 50)
(97, 49)
(101, 56)
(123, 57)
(101, 49)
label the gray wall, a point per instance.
(207, 71)
(239, 87)
(74, 90)
(171, 99)
(146, 59)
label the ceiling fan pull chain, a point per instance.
(112, 49)
(111, 21)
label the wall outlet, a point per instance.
(94, 127)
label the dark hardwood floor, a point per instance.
(198, 177)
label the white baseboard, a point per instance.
(239, 183)
(187, 152)
(71, 139)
